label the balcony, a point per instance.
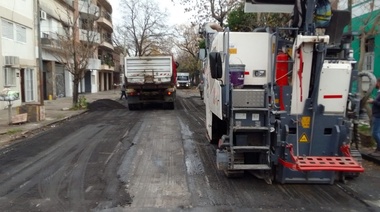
(49, 41)
(106, 4)
(94, 64)
(105, 21)
(106, 43)
(88, 10)
(107, 62)
(107, 67)
(66, 3)
(89, 36)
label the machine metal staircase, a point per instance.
(250, 117)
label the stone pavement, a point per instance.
(55, 111)
(58, 110)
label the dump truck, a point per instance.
(150, 79)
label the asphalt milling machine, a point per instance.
(283, 103)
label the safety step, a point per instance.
(249, 109)
(318, 163)
(249, 148)
(251, 167)
(243, 128)
(322, 163)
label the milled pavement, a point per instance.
(55, 111)
(59, 109)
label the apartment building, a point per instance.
(55, 15)
(19, 70)
(106, 49)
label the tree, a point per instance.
(188, 44)
(75, 45)
(367, 26)
(203, 10)
(240, 21)
(143, 31)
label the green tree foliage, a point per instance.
(246, 22)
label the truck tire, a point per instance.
(168, 105)
(171, 105)
(134, 106)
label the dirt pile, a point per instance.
(105, 104)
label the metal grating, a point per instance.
(248, 98)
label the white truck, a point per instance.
(183, 80)
(150, 79)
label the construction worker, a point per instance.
(200, 87)
(123, 93)
(376, 119)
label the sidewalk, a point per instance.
(55, 111)
(58, 110)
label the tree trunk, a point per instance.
(75, 92)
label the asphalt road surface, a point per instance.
(113, 159)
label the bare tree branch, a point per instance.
(77, 43)
(143, 27)
(206, 10)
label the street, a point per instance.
(114, 159)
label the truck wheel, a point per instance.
(133, 106)
(171, 105)
(168, 106)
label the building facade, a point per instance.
(54, 14)
(19, 70)
(106, 49)
(365, 17)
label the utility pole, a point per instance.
(350, 9)
(40, 65)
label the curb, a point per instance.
(371, 158)
(23, 133)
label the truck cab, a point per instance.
(183, 80)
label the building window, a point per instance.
(29, 89)
(21, 33)
(7, 28)
(370, 45)
(9, 76)
(369, 55)
(369, 61)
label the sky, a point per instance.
(176, 13)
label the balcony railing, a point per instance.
(105, 20)
(107, 38)
(88, 8)
(89, 36)
(93, 63)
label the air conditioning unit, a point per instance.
(42, 15)
(11, 61)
